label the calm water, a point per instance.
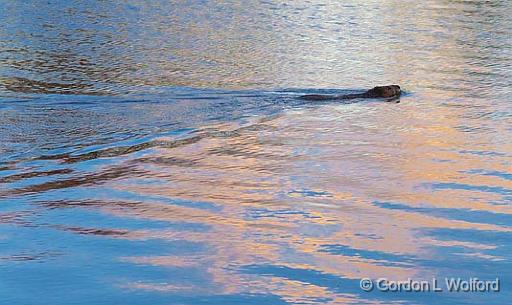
(157, 153)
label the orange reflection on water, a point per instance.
(251, 183)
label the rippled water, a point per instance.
(157, 153)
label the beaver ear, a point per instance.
(378, 90)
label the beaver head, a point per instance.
(384, 91)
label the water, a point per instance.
(157, 154)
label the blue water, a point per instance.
(156, 153)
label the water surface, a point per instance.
(157, 153)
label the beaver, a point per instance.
(390, 91)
